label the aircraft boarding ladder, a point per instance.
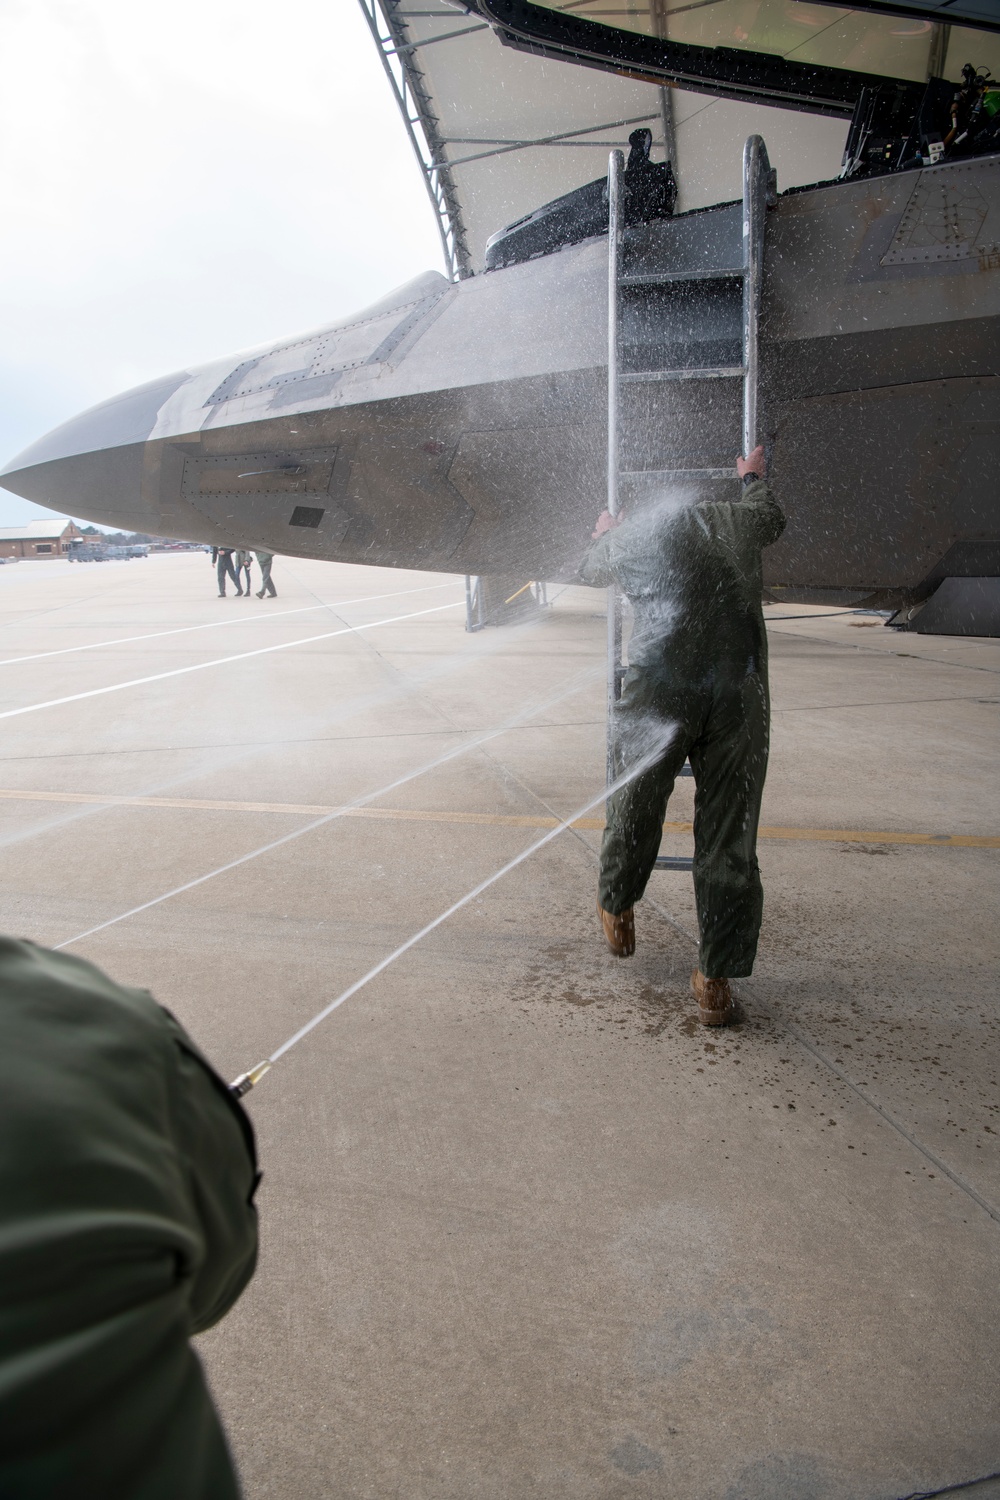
(683, 312)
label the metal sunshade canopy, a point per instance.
(502, 122)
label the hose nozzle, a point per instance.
(246, 1081)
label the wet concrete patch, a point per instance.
(633, 1457)
(792, 1476)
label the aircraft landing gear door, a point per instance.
(683, 317)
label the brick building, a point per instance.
(39, 539)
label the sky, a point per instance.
(184, 181)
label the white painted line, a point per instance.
(277, 614)
(455, 662)
(477, 890)
(222, 661)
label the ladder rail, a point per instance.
(616, 169)
(759, 194)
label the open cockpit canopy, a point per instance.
(511, 104)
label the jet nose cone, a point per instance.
(92, 465)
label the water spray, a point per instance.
(267, 615)
(234, 756)
(222, 661)
(575, 684)
(246, 1081)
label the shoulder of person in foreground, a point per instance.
(216, 1140)
(93, 1072)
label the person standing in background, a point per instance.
(264, 560)
(222, 561)
(241, 559)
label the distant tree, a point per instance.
(128, 538)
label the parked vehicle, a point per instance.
(89, 552)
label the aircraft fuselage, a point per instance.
(462, 426)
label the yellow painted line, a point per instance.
(869, 836)
(493, 820)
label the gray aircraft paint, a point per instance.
(461, 426)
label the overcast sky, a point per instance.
(184, 180)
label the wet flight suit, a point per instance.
(127, 1172)
(697, 658)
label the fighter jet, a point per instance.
(460, 423)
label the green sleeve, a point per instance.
(595, 570)
(762, 513)
(216, 1147)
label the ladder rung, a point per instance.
(714, 372)
(677, 473)
(673, 862)
(663, 278)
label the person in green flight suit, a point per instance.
(698, 675)
(127, 1175)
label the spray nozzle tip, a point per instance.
(246, 1081)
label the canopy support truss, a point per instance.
(565, 139)
(399, 58)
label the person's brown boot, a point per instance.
(619, 931)
(716, 1006)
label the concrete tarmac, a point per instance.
(527, 1230)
